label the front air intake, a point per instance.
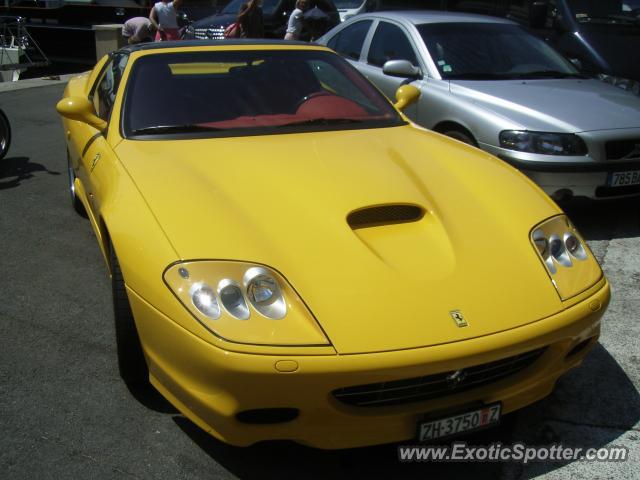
(384, 215)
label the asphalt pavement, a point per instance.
(65, 413)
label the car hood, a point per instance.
(220, 19)
(224, 19)
(283, 201)
(565, 105)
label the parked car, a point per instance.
(275, 13)
(602, 37)
(349, 8)
(488, 82)
(291, 259)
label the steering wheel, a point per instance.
(306, 98)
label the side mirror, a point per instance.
(401, 68)
(538, 14)
(81, 110)
(405, 96)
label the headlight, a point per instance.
(542, 142)
(264, 293)
(244, 303)
(565, 256)
(204, 299)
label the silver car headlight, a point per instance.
(545, 143)
(244, 303)
(565, 255)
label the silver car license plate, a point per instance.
(463, 422)
(623, 179)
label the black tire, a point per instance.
(5, 135)
(461, 136)
(75, 201)
(131, 361)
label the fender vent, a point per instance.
(384, 215)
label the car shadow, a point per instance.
(606, 219)
(591, 407)
(597, 394)
(284, 459)
(148, 396)
(14, 170)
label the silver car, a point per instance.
(487, 82)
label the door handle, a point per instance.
(95, 161)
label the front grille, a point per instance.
(419, 389)
(215, 33)
(623, 149)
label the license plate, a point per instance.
(463, 422)
(622, 179)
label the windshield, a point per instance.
(243, 92)
(347, 4)
(491, 51)
(603, 10)
(268, 6)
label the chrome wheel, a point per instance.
(75, 201)
(5, 134)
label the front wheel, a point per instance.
(75, 201)
(131, 361)
(461, 136)
(5, 134)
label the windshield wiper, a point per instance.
(476, 76)
(546, 74)
(322, 121)
(160, 129)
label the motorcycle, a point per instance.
(5, 134)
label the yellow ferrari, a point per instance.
(292, 258)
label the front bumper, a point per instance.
(562, 177)
(211, 386)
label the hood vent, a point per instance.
(384, 215)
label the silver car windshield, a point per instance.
(348, 3)
(491, 51)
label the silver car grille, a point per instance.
(215, 33)
(623, 149)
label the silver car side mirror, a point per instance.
(401, 68)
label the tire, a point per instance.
(5, 135)
(461, 136)
(131, 362)
(75, 201)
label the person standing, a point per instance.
(250, 20)
(164, 17)
(138, 30)
(294, 27)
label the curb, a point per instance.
(35, 82)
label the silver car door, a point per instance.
(349, 41)
(390, 41)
